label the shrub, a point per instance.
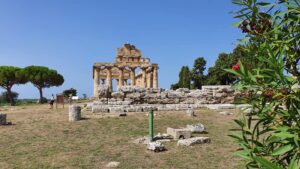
(269, 136)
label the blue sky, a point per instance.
(70, 35)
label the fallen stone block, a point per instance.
(196, 128)
(193, 141)
(179, 133)
(156, 146)
(163, 136)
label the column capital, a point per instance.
(121, 67)
(132, 68)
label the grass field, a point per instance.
(42, 138)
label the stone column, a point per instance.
(108, 79)
(74, 113)
(132, 76)
(121, 77)
(143, 80)
(149, 78)
(96, 82)
(155, 77)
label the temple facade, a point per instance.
(128, 59)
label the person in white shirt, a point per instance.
(52, 101)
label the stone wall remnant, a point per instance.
(138, 99)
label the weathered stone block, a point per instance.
(193, 141)
(118, 109)
(196, 128)
(179, 133)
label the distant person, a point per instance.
(52, 101)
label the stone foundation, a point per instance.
(136, 99)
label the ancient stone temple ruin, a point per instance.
(128, 59)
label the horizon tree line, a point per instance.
(195, 78)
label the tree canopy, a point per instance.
(9, 76)
(69, 92)
(197, 73)
(42, 77)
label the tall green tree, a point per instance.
(10, 76)
(42, 77)
(184, 77)
(197, 73)
(217, 75)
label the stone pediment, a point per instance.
(129, 51)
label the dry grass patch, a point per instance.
(42, 138)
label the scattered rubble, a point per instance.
(156, 146)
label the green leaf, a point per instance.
(266, 164)
(284, 135)
(265, 4)
(295, 163)
(243, 154)
(282, 150)
(237, 24)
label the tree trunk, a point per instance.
(11, 99)
(41, 95)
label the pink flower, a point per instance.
(235, 67)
